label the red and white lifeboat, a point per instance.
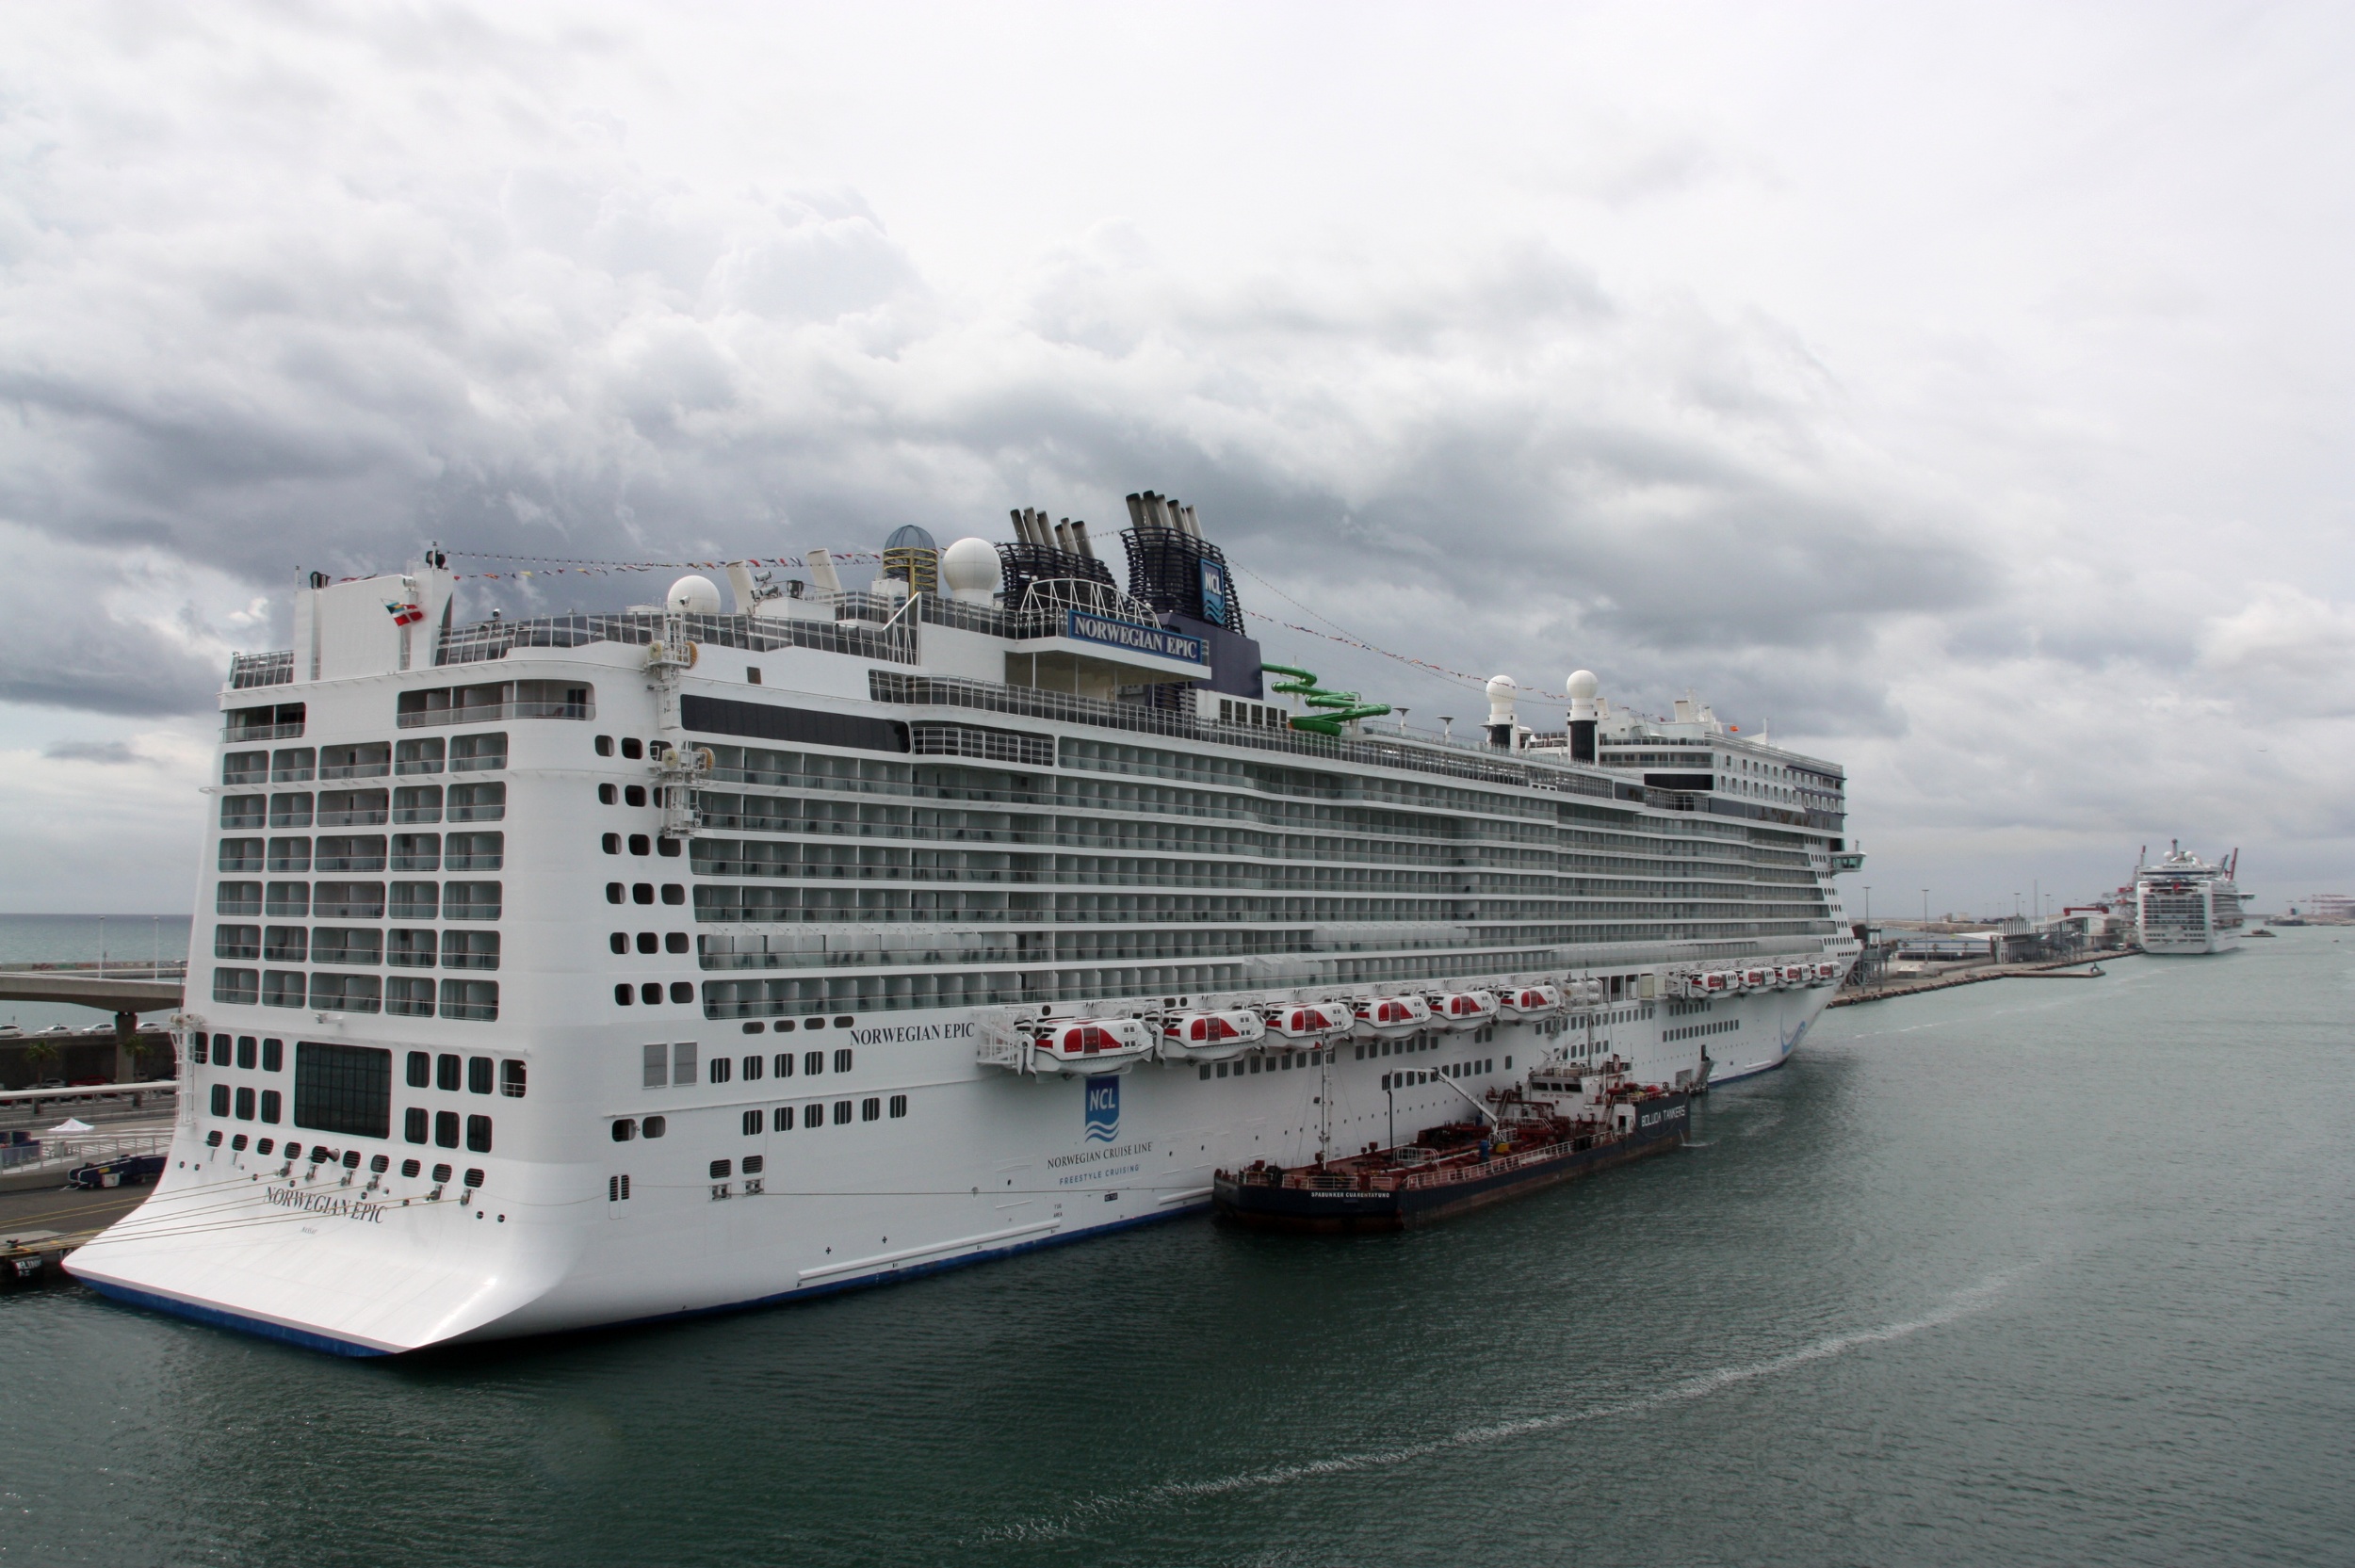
(1789, 976)
(1459, 1011)
(1087, 1045)
(1213, 1036)
(1310, 1023)
(1382, 1017)
(1718, 982)
(1522, 1002)
(1825, 973)
(1758, 978)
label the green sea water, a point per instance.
(2035, 1272)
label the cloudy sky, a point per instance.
(1964, 394)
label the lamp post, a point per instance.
(1926, 909)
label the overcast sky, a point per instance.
(1966, 393)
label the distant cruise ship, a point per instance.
(612, 966)
(2185, 905)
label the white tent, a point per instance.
(73, 1124)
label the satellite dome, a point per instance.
(968, 569)
(693, 595)
(909, 537)
(1582, 684)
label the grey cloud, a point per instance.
(107, 752)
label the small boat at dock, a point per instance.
(1568, 1120)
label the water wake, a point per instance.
(1699, 1386)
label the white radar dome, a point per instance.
(968, 570)
(1501, 691)
(693, 595)
(1583, 684)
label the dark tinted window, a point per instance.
(445, 1128)
(478, 1140)
(479, 1074)
(343, 1089)
(412, 1123)
(420, 1070)
(447, 1069)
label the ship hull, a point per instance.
(1348, 1210)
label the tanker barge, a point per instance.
(1571, 1120)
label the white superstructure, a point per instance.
(606, 967)
(2185, 905)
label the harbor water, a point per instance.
(2034, 1272)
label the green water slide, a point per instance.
(1343, 707)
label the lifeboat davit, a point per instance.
(1529, 1001)
(1212, 1036)
(1457, 1011)
(1383, 1017)
(1310, 1023)
(1090, 1046)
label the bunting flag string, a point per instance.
(549, 566)
(1341, 635)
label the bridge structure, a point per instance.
(126, 991)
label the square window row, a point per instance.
(269, 1055)
(777, 1119)
(650, 942)
(448, 1071)
(642, 845)
(621, 795)
(721, 1069)
(245, 1105)
(358, 946)
(443, 1126)
(632, 748)
(786, 1025)
(644, 893)
(650, 992)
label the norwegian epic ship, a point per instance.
(2185, 905)
(606, 967)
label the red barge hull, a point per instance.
(1357, 1195)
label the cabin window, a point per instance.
(413, 1124)
(752, 1121)
(841, 1113)
(625, 1129)
(842, 1059)
(898, 1105)
(781, 1120)
(478, 1141)
(445, 1128)
(654, 1127)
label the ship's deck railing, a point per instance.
(886, 685)
(864, 627)
(248, 670)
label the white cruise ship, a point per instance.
(2185, 905)
(607, 967)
